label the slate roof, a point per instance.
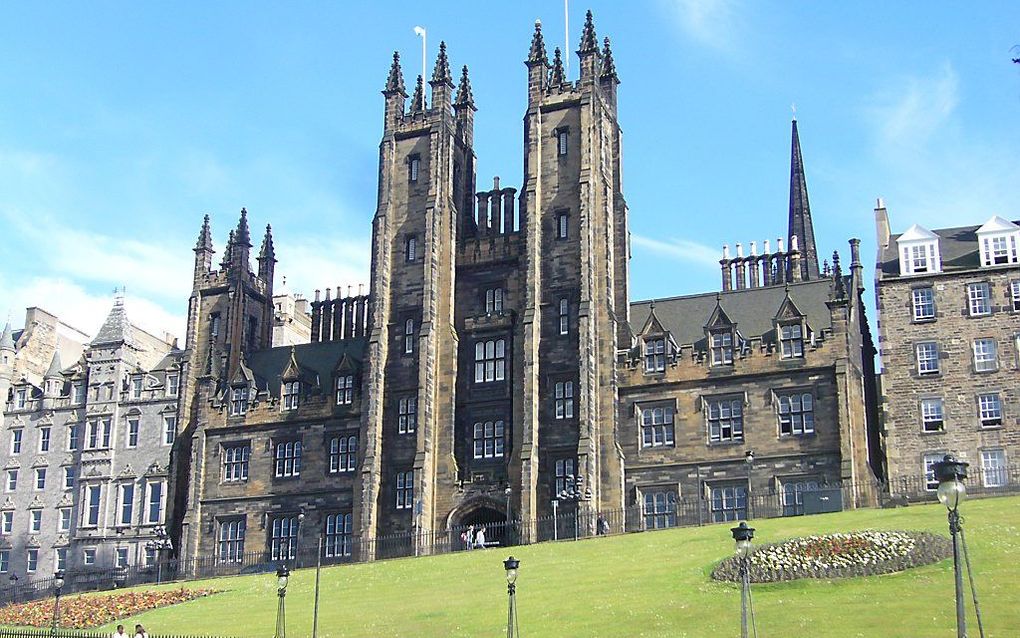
(958, 247)
(751, 309)
(116, 328)
(320, 358)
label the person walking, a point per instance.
(599, 523)
(480, 538)
(468, 537)
(120, 633)
(604, 526)
(140, 632)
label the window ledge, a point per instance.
(983, 428)
(929, 432)
(925, 320)
(725, 443)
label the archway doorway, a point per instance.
(487, 516)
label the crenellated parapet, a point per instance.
(756, 270)
(335, 319)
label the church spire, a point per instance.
(242, 237)
(395, 81)
(225, 262)
(442, 71)
(418, 98)
(556, 76)
(589, 41)
(537, 54)
(608, 64)
(800, 212)
(204, 243)
(464, 96)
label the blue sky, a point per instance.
(121, 124)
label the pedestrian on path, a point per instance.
(480, 538)
(140, 632)
(120, 633)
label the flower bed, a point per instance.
(843, 555)
(83, 612)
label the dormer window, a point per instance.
(78, 392)
(173, 384)
(21, 398)
(494, 300)
(345, 390)
(919, 251)
(136, 388)
(239, 401)
(655, 354)
(722, 348)
(998, 240)
(791, 341)
(290, 395)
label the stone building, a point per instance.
(292, 318)
(949, 325)
(27, 353)
(480, 377)
(86, 452)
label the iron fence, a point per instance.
(572, 521)
(73, 633)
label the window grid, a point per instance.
(17, 437)
(931, 483)
(283, 537)
(725, 420)
(288, 459)
(411, 249)
(405, 490)
(339, 535)
(490, 360)
(657, 427)
(919, 258)
(407, 415)
(729, 503)
(169, 430)
(489, 439)
(655, 355)
(12, 480)
(7, 522)
(409, 336)
(494, 300)
(927, 358)
(35, 521)
(345, 390)
(985, 355)
(562, 137)
(1014, 294)
(291, 391)
(564, 475)
(932, 415)
(562, 226)
(32, 560)
(154, 510)
(133, 426)
(722, 348)
(791, 339)
(660, 510)
(235, 463)
(564, 391)
(68, 478)
(793, 496)
(990, 409)
(231, 540)
(93, 495)
(979, 299)
(994, 472)
(343, 453)
(44, 439)
(239, 400)
(796, 414)
(564, 316)
(40, 478)
(923, 303)
(127, 504)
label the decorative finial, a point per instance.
(204, 243)
(537, 53)
(464, 96)
(557, 76)
(441, 73)
(608, 64)
(395, 80)
(589, 41)
(418, 99)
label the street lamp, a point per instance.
(511, 565)
(743, 534)
(951, 474)
(297, 540)
(749, 460)
(576, 493)
(14, 587)
(58, 583)
(282, 576)
(506, 531)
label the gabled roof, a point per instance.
(320, 358)
(788, 309)
(7, 338)
(116, 328)
(917, 233)
(997, 225)
(719, 318)
(958, 247)
(652, 324)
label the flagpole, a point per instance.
(566, 35)
(420, 31)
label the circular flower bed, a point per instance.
(844, 555)
(83, 612)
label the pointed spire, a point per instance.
(395, 81)
(589, 41)
(537, 54)
(800, 211)
(464, 96)
(837, 275)
(418, 99)
(204, 243)
(7, 338)
(442, 71)
(556, 76)
(230, 248)
(53, 372)
(243, 236)
(608, 64)
(268, 251)
(116, 329)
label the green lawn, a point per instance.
(650, 584)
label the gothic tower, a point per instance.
(800, 212)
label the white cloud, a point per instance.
(311, 263)
(680, 249)
(914, 109)
(711, 23)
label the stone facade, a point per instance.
(949, 328)
(86, 453)
(292, 319)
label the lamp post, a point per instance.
(58, 583)
(14, 587)
(509, 492)
(749, 460)
(556, 521)
(297, 540)
(511, 565)
(950, 474)
(157, 546)
(282, 576)
(743, 534)
(576, 493)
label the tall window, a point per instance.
(722, 348)
(154, 507)
(494, 300)
(407, 415)
(44, 439)
(1014, 294)
(73, 433)
(288, 459)
(235, 463)
(339, 529)
(413, 166)
(989, 409)
(40, 478)
(725, 420)
(927, 357)
(979, 298)
(924, 303)
(345, 389)
(729, 503)
(791, 340)
(343, 453)
(132, 438)
(932, 415)
(283, 537)
(92, 498)
(32, 560)
(793, 496)
(136, 388)
(562, 226)
(564, 316)
(121, 557)
(655, 355)
(127, 504)
(931, 483)
(985, 355)
(78, 392)
(169, 430)
(660, 509)
(564, 475)
(60, 558)
(5, 561)
(291, 391)
(7, 523)
(173, 384)
(64, 520)
(69, 477)
(17, 436)
(239, 400)
(490, 360)
(230, 547)
(409, 336)
(562, 136)
(12, 480)
(993, 468)
(564, 391)
(919, 258)
(489, 440)
(405, 490)
(35, 521)
(796, 414)
(214, 325)
(411, 248)
(657, 427)
(99, 433)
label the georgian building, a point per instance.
(496, 359)
(85, 454)
(949, 320)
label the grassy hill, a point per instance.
(650, 584)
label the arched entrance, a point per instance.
(482, 513)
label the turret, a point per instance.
(588, 52)
(608, 78)
(7, 348)
(418, 97)
(228, 251)
(395, 93)
(267, 257)
(203, 251)
(53, 380)
(556, 75)
(442, 82)
(240, 250)
(537, 63)
(464, 108)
